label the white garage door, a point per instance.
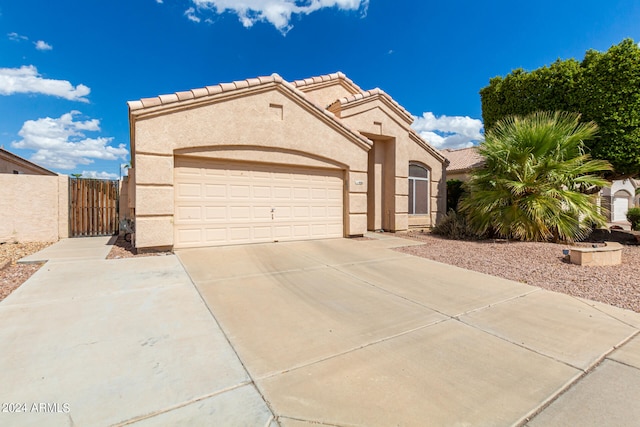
(620, 208)
(233, 203)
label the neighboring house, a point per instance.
(14, 164)
(619, 198)
(462, 162)
(616, 199)
(263, 160)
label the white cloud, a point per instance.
(99, 175)
(16, 37)
(191, 15)
(61, 143)
(159, 1)
(27, 80)
(276, 12)
(449, 131)
(42, 45)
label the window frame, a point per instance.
(412, 189)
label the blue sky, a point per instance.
(67, 68)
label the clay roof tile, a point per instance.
(151, 102)
(187, 94)
(200, 92)
(226, 86)
(169, 98)
(135, 105)
(463, 159)
(241, 84)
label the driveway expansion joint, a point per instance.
(181, 405)
(351, 350)
(226, 337)
(571, 384)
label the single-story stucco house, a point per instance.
(14, 164)
(616, 200)
(264, 160)
(461, 162)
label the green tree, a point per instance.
(529, 186)
(604, 88)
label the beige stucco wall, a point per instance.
(272, 121)
(374, 117)
(34, 207)
(325, 94)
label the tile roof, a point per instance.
(373, 93)
(326, 78)
(463, 159)
(194, 94)
(202, 92)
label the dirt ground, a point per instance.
(13, 275)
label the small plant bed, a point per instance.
(123, 248)
(12, 275)
(538, 264)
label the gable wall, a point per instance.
(324, 95)
(270, 126)
(375, 118)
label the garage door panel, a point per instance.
(189, 190)
(220, 204)
(188, 213)
(263, 233)
(301, 212)
(334, 212)
(239, 191)
(215, 191)
(215, 213)
(189, 236)
(281, 193)
(216, 234)
(282, 231)
(261, 192)
(240, 234)
(301, 193)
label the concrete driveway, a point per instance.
(94, 342)
(337, 332)
(345, 332)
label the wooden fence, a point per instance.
(93, 207)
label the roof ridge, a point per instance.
(325, 78)
(452, 150)
(202, 92)
(373, 92)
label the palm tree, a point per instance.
(535, 177)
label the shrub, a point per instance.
(455, 226)
(455, 191)
(633, 215)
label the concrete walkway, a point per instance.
(338, 332)
(118, 342)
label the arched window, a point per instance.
(418, 189)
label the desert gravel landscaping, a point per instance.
(13, 275)
(539, 264)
